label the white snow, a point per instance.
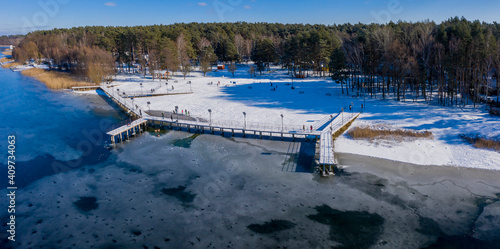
(309, 102)
(92, 92)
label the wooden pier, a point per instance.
(326, 153)
(145, 95)
(225, 129)
(126, 131)
(85, 88)
(126, 104)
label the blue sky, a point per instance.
(23, 16)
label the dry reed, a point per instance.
(481, 142)
(7, 53)
(54, 80)
(5, 59)
(398, 134)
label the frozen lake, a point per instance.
(177, 191)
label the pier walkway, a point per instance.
(85, 88)
(234, 127)
(126, 131)
(153, 94)
(326, 153)
(126, 104)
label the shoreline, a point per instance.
(51, 79)
(361, 160)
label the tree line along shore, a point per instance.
(456, 61)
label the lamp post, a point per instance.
(245, 120)
(141, 89)
(342, 116)
(281, 122)
(210, 113)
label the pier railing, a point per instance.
(118, 125)
(129, 94)
(241, 125)
(127, 103)
(258, 126)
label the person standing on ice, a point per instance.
(303, 127)
(311, 128)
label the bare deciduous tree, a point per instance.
(232, 68)
(251, 71)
